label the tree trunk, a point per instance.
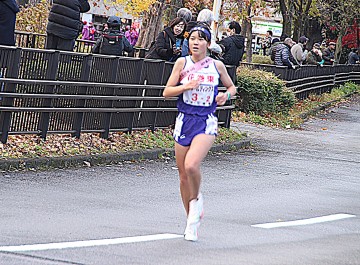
(338, 48)
(313, 32)
(287, 21)
(301, 19)
(248, 35)
(152, 24)
(296, 32)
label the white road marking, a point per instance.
(309, 221)
(89, 243)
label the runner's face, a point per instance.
(178, 28)
(197, 44)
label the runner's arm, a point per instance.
(221, 98)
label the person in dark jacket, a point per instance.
(314, 57)
(272, 50)
(169, 42)
(234, 45)
(353, 57)
(283, 56)
(267, 42)
(64, 22)
(329, 54)
(8, 10)
(114, 41)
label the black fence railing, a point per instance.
(311, 79)
(44, 91)
(47, 91)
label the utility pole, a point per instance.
(215, 24)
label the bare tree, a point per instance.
(152, 24)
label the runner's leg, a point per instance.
(198, 150)
(180, 154)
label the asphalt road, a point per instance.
(289, 175)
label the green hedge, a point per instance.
(262, 92)
(257, 58)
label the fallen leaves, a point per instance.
(59, 145)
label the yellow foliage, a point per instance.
(132, 7)
(33, 18)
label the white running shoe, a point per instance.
(196, 210)
(201, 205)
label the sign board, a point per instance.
(86, 17)
(260, 27)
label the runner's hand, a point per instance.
(192, 84)
(221, 98)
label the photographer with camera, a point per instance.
(167, 45)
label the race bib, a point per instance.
(201, 96)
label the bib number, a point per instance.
(201, 96)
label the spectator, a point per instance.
(314, 57)
(218, 54)
(88, 32)
(323, 46)
(113, 42)
(81, 27)
(105, 28)
(168, 43)
(298, 51)
(132, 35)
(127, 32)
(185, 47)
(224, 35)
(266, 43)
(329, 54)
(206, 16)
(283, 56)
(234, 45)
(272, 50)
(354, 57)
(8, 10)
(63, 26)
(185, 13)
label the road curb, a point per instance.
(103, 159)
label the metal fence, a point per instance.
(311, 79)
(47, 91)
(305, 80)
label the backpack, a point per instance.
(112, 44)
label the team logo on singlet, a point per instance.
(203, 95)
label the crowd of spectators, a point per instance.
(65, 26)
(287, 52)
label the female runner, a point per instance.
(194, 79)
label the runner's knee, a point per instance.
(192, 168)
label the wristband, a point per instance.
(228, 95)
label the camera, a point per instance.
(178, 44)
